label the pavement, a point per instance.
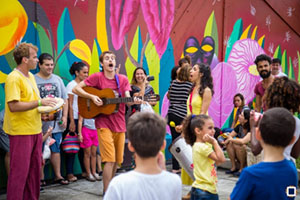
(83, 189)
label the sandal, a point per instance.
(72, 178)
(43, 183)
(61, 181)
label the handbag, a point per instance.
(70, 144)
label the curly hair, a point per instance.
(283, 92)
(189, 124)
(206, 79)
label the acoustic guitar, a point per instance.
(110, 99)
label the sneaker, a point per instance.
(97, 177)
(91, 178)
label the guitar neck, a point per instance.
(118, 100)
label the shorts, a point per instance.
(90, 138)
(111, 145)
(55, 147)
(251, 158)
(4, 141)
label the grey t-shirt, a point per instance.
(52, 87)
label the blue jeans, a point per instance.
(198, 194)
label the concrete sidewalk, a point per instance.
(83, 189)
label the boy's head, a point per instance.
(146, 133)
(277, 127)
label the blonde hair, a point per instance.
(22, 50)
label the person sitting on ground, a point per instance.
(237, 150)
(274, 176)
(149, 180)
(198, 131)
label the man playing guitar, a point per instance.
(111, 128)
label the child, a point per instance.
(198, 131)
(275, 177)
(146, 134)
(88, 137)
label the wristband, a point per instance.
(39, 102)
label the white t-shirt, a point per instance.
(280, 74)
(135, 185)
(70, 86)
(288, 149)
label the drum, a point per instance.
(51, 110)
(183, 154)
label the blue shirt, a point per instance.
(266, 180)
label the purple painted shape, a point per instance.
(121, 19)
(225, 86)
(159, 19)
(164, 110)
(214, 62)
(241, 57)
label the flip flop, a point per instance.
(73, 179)
(62, 181)
(43, 183)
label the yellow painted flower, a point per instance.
(13, 24)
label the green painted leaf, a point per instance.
(277, 53)
(291, 69)
(211, 29)
(284, 63)
(94, 68)
(235, 35)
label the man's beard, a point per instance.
(265, 75)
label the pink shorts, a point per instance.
(90, 138)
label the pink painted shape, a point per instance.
(225, 87)
(164, 110)
(159, 24)
(121, 22)
(241, 57)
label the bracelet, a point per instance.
(39, 102)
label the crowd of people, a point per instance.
(261, 145)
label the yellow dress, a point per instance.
(196, 108)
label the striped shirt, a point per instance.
(179, 93)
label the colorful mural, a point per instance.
(155, 34)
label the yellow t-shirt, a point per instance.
(204, 168)
(196, 104)
(17, 87)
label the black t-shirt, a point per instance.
(239, 130)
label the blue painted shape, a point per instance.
(167, 63)
(69, 36)
(31, 36)
(65, 34)
(4, 65)
(99, 53)
(2, 97)
(168, 154)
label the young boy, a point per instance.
(275, 177)
(146, 133)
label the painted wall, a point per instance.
(227, 35)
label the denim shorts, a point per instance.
(4, 141)
(55, 147)
(198, 194)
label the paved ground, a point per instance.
(83, 189)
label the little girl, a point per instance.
(88, 137)
(198, 131)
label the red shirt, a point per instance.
(115, 121)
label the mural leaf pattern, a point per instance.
(211, 29)
(235, 35)
(80, 49)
